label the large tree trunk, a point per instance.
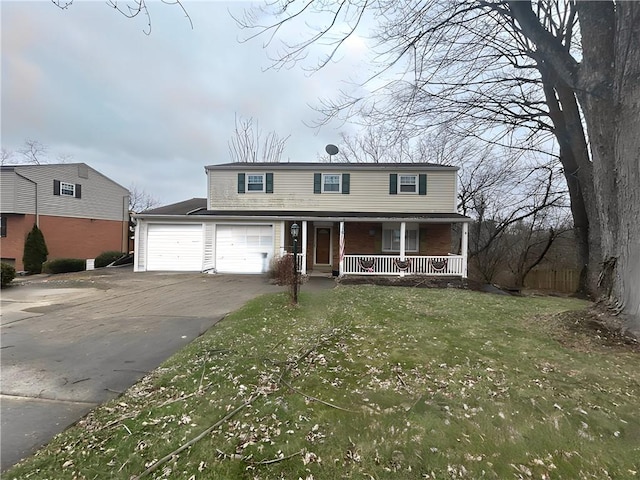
(627, 145)
(578, 172)
(609, 93)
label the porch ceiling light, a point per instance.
(295, 230)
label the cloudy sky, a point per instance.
(153, 110)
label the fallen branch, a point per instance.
(315, 399)
(194, 440)
(276, 460)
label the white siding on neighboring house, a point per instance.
(244, 248)
(368, 192)
(174, 247)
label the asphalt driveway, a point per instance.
(70, 342)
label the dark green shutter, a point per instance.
(241, 183)
(393, 183)
(422, 184)
(317, 183)
(56, 187)
(78, 190)
(346, 181)
(269, 186)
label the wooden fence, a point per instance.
(564, 281)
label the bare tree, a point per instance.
(567, 67)
(131, 9)
(5, 156)
(140, 200)
(250, 144)
(34, 152)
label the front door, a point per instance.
(323, 246)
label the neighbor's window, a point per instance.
(391, 238)
(330, 182)
(255, 183)
(408, 184)
(3, 227)
(68, 189)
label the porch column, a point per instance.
(403, 233)
(464, 248)
(283, 236)
(341, 243)
(304, 247)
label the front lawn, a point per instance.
(371, 382)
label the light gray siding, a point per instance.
(369, 192)
(17, 193)
(101, 198)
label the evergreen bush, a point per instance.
(8, 274)
(107, 258)
(35, 251)
(64, 265)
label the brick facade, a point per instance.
(66, 237)
(366, 238)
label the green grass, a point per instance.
(371, 382)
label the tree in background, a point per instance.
(507, 72)
(140, 200)
(250, 144)
(35, 251)
(32, 152)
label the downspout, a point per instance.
(125, 208)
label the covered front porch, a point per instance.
(389, 247)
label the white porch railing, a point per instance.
(300, 263)
(449, 265)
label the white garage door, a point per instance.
(243, 248)
(174, 247)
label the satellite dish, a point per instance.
(331, 149)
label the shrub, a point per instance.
(64, 265)
(107, 258)
(281, 271)
(8, 274)
(35, 251)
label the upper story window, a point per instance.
(330, 182)
(255, 183)
(407, 183)
(67, 189)
(3, 226)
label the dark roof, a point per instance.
(305, 215)
(186, 207)
(327, 166)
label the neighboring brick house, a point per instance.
(81, 212)
(354, 219)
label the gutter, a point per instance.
(302, 216)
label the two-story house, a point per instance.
(80, 212)
(354, 219)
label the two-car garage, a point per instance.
(236, 248)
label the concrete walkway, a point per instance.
(70, 342)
